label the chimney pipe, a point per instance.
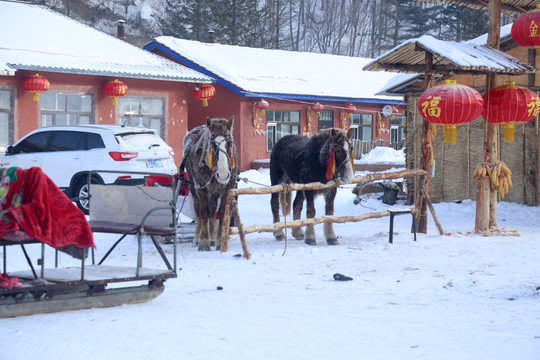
(121, 29)
(211, 37)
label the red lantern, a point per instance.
(525, 30)
(450, 104)
(204, 92)
(115, 88)
(317, 108)
(262, 105)
(510, 104)
(349, 109)
(36, 84)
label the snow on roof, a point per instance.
(288, 73)
(472, 54)
(449, 54)
(37, 38)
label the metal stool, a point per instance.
(400, 212)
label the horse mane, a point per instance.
(199, 139)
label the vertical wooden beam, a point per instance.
(421, 200)
(486, 197)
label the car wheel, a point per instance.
(81, 194)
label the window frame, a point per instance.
(10, 124)
(162, 118)
(274, 128)
(323, 121)
(397, 131)
(360, 125)
(55, 113)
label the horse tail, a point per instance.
(285, 200)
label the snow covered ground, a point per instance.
(453, 296)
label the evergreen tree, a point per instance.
(235, 21)
(461, 23)
(187, 19)
(420, 18)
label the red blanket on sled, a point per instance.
(32, 203)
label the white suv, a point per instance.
(67, 153)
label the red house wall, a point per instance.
(27, 114)
(251, 146)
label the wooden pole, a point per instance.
(224, 246)
(421, 199)
(231, 207)
(432, 211)
(240, 228)
(312, 221)
(319, 186)
(487, 198)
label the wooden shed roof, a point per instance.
(448, 58)
(510, 7)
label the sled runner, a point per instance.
(132, 212)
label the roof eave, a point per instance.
(286, 97)
(133, 75)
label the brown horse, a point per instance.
(298, 159)
(210, 162)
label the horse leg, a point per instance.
(331, 238)
(221, 212)
(197, 208)
(204, 244)
(297, 232)
(274, 203)
(212, 207)
(310, 214)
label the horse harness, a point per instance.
(201, 140)
(332, 169)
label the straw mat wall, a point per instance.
(455, 163)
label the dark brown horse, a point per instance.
(210, 162)
(301, 160)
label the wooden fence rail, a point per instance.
(231, 207)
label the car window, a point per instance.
(142, 140)
(33, 143)
(95, 141)
(67, 141)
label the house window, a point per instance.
(326, 120)
(66, 109)
(280, 123)
(143, 111)
(6, 118)
(363, 126)
(396, 129)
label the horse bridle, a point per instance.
(348, 158)
(231, 163)
(230, 159)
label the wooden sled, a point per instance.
(123, 210)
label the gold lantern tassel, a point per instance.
(115, 100)
(205, 102)
(210, 158)
(450, 134)
(509, 132)
(36, 96)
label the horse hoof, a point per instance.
(212, 243)
(332, 241)
(204, 248)
(279, 237)
(218, 247)
(310, 242)
(298, 234)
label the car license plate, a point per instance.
(152, 164)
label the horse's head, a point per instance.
(342, 164)
(221, 149)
